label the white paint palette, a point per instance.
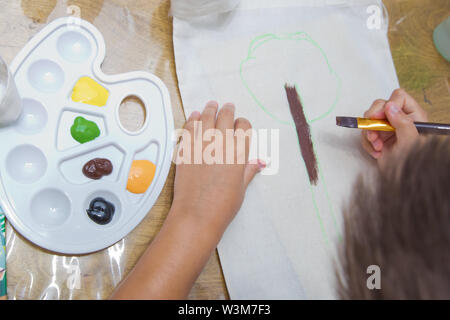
(43, 190)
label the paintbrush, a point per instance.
(383, 125)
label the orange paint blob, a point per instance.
(141, 176)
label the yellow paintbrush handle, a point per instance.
(376, 125)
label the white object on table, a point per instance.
(186, 9)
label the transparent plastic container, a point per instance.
(441, 38)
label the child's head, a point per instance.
(401, 223)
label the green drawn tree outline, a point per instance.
(297, 36)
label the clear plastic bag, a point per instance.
(137, 37)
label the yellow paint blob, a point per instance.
(141, 176)
(89, 91)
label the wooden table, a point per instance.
(422, 71)
(138, 37)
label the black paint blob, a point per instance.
(101, 211)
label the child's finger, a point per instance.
(372, 135)
(367, 146)
(252, 169)
(376, 111)
(208, 116)
(408, 105)
(189, 125)
(377, 145)
(225, 118)
(195, 116)
(374, 138)
(405, 130)
(385, 135)
(243, 125)
(376, 155)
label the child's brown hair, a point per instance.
(401, 223)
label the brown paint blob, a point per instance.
(303, 133)
(97, 168)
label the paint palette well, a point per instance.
(43, 190)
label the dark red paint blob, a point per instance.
(97, 168)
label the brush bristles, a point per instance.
(347, 122)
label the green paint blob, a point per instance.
(84, 130)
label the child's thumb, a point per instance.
(252, 169)
(405, 130)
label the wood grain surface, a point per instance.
(138, 36)
(421, 70)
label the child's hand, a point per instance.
(213, 193)
(207, 197)
(401, 110)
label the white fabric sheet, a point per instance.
(282, 244)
